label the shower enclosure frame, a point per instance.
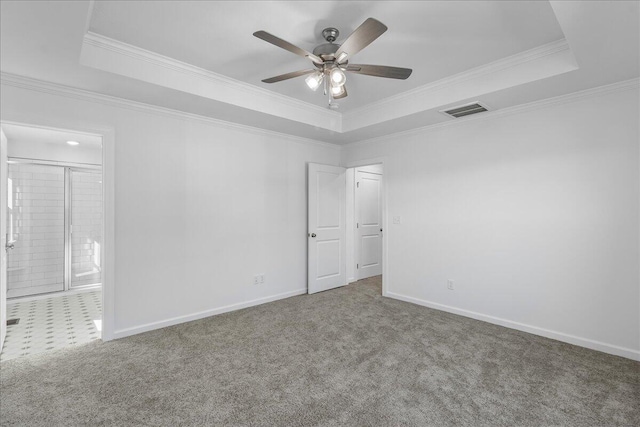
(69, 168)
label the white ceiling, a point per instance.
(19, 133)
(435, 39)
(47, 41)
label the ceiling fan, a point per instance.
(332, 60)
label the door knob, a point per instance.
(9, 245)
(313, 234)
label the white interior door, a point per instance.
(327, 231)
(368, 224)
(3, 238)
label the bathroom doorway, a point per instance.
(54, 240)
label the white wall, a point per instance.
(199, 208)
(534, 215)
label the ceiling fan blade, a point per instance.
(287, 76)
(380, 71)
(343, 94)
(270, 38)
(362, 37)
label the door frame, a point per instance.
(108, 208)
(385, 226)
(4, 279)
(356, 220)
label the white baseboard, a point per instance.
(202, 314)
(571, 339)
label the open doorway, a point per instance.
(53, 210)
(365, 225)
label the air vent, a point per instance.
(465, 110)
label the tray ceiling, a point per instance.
(435, 39)
(200, 58)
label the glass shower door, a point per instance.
(85, 227)
(36, 224)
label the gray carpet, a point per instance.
(346, 357)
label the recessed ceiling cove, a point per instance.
(435, 39)
(202, 59)
(215, 39)
(208, 49)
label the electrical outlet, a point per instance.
(450, 285)
(256, 279)
(262, 279)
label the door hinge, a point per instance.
(357, 265)
(357, 184)
(357, 225)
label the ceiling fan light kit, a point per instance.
(332, 59)
(314, 80)
(338, 78)
(337, 90)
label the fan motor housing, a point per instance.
(330, 34)
(326, 51)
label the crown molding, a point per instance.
(112, 101)
(557, 51)
(85, 95)
(492, 67)
(271, 102)
(530, 106)
(115, 56)
(170, 63)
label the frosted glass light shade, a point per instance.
(338, 77)
(314, 81)
(337, 90)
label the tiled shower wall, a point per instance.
(36, 223)
(86, 217)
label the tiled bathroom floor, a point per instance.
(52, 323)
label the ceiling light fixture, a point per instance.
(336, 91)
(332, 59)
(73, 142)
(338, 77)
(314, 80)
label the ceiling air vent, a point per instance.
(465, 110)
